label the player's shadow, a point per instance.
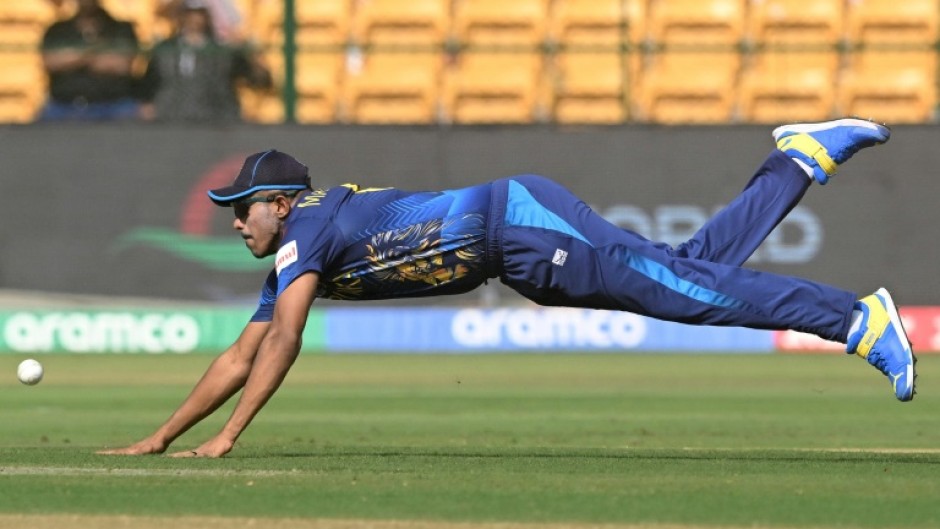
(929, 457)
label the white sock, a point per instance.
(808, 169)
(856, 325)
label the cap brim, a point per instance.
(225, 196)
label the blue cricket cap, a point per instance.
(263, 171)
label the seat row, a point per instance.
(694, 87)
(670, 88)
(331, 22)
(818, 74)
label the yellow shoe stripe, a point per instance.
(810, 147)
(878, 321)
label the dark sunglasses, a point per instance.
(242, 206)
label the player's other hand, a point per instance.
(140, 448)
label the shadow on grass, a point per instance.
(925, 456)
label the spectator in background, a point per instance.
(225, 17)
(194, 77)
(89, 59)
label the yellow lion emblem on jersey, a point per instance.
(435, 252)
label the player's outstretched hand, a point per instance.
(215, 447)
(140, 448)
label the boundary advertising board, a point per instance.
(423, 331)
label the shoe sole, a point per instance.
(826, 125)
(896, 321)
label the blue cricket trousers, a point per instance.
(556, 251)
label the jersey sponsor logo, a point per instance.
(285, 256)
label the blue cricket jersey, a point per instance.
(381, 243)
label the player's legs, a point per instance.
(735, 232)
(806, 152)
(557, 251)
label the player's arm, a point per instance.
(279, 349)
(226, 375)
(112, 62)
(58, 60)
(117, 56)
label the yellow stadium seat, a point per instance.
(266, 23)
(322, 23)
(318, 80)
(892, 86)
(893, 21)
(605, 23)
(696, 22)
(266, 106)
(678, 87)
(140, 13)
(394, 88)
(796, 22)
(22, 86)
(783, 87)
(500, 22)
(262, 107)
(590, 88)
(493, 88)
(402, 22)
(24, 22)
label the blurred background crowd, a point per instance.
(468, 61)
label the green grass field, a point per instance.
(559, 440)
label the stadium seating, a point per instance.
(796, 23)
(267, 21)
(23, 83)
(604, 23)
(394, 88)
(794, 86)
(22, 86)
(402, 22)
(893, 21)
(696, 22)
(24, 22)
(799, 67)
(318, 79)
(590, 88)
(516, 23)
(140, 13)
(261, 107)
(493, 88)
(890, 86)
(265, 106)
(322, 24)
(687, 87)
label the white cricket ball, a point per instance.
(29, 372)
